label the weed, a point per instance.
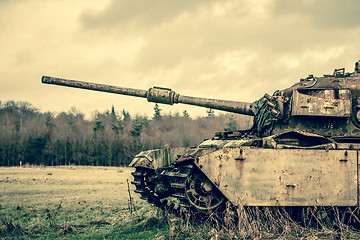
(8, 228)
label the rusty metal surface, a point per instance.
(284, 177)
(162, 95)
(156, 94)
(94, 86)
(225, 105)
(216, 144)
(157, 158)
(358, 177)
(321, 103)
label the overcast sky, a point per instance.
(226, 49)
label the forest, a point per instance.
(111, 138)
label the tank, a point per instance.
(301, 151)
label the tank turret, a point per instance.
(327, 105)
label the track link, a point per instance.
(142, 186)
(177, 178)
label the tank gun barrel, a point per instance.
(157, 95)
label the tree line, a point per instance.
(109, 138)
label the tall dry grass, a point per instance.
(269, 223)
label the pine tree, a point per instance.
(137, 127)
(98, 126)
(157, 112)
(116, 123)
(113, 114)
(126, 116)
(231, 124)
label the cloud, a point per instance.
(211, 48)
(229, 49)
(323, 14)
(177, 31)
(140, 13)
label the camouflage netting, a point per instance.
(264, 115)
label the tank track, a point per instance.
(176, 179)
(146, 193)
(180, 185)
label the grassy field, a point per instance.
(72, 202)
(93, 203)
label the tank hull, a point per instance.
(284, 177)
(293, 169)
